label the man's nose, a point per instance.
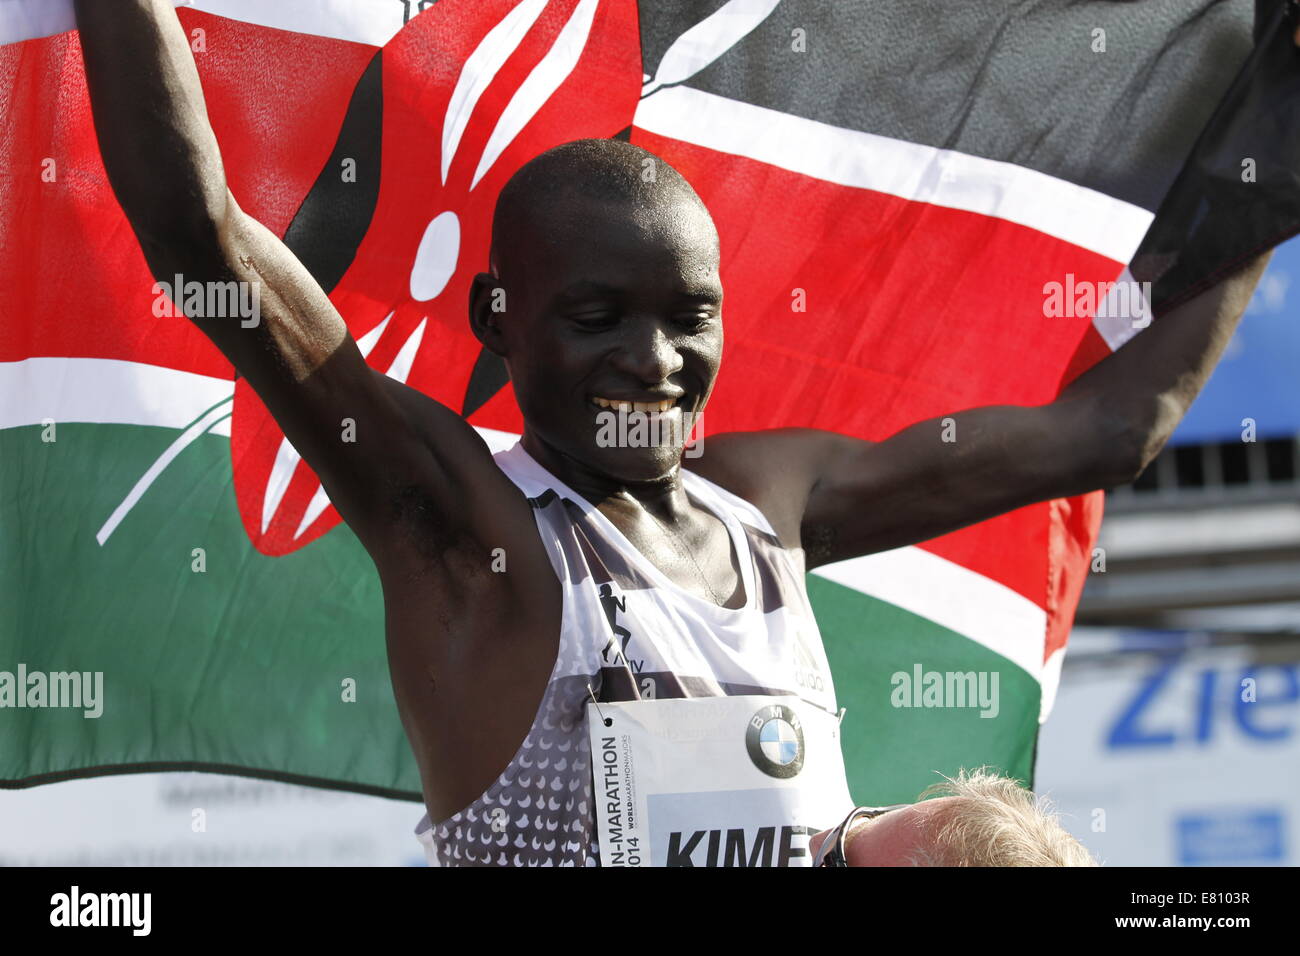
(650, 354)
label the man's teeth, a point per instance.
(621, 406)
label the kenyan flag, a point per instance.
(895, 184)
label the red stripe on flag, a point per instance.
(75, 273)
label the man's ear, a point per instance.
(487, 308)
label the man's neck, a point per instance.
(688, 544)
(664, 496)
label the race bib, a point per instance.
(714, 781)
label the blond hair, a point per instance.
(994, 821)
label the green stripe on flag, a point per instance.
(893, 753)
(245, 661)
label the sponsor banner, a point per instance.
(720, 781)
(1178, 755)
(201, 819)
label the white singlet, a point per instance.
(630, 633)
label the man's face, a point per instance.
(613, 304)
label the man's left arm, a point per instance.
(1105, 428)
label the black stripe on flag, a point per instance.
(1019, 83)
(328, 227)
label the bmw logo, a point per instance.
(774, 739)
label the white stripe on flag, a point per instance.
(951, 596)
(205, 424)
(546, 77)
(1084, 217)
(113, 392)
(106, 391)
(1050, 682)
(1123, 312)
(26, 19)
(372, 22)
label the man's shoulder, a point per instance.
(772, 469)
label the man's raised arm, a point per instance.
(936, 476)
(165, 168)
(1104, 430)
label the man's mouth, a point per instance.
(622, 405)
(632, 423)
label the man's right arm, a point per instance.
(165, 168)
(418, 485)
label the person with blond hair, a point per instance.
(977, 818)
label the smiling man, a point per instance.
(570, 570)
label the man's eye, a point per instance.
(594, 321)
(694, 320)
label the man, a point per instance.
(977, 818)
(573, 569)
